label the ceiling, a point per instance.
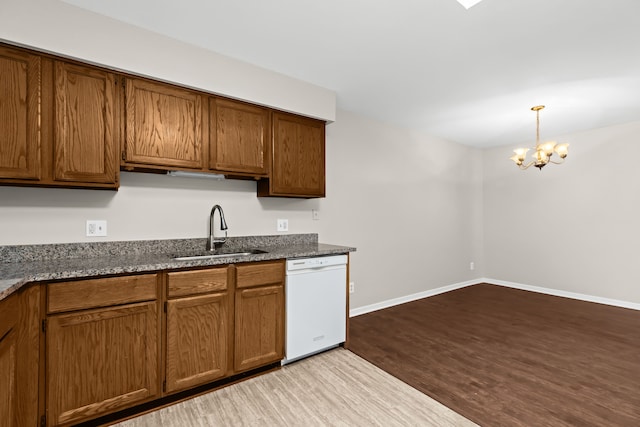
(469, 76)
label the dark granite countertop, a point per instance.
(35, 263)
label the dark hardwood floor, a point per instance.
(506, 357)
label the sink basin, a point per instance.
(219, 255)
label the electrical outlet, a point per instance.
(352, 287)
(315, 214)
(96, 228)
(472, 266)
(282, 225)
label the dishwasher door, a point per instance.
(316, 305)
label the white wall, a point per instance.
(147, 206)
(573, 227)
(58, 27)
(410, 203)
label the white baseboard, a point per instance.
(408, 298)
(558, 293)
(431, 292)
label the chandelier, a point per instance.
(543, 151)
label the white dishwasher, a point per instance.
(316, 305)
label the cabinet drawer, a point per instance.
(192, 282)
(103, 292)
(260, 274)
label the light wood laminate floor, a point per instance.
(335, 388)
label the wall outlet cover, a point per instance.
(282, 225)
(96, 228)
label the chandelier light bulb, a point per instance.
(562, 150)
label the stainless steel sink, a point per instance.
(219, 255)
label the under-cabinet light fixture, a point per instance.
(206, 175)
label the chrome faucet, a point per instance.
(215, 243)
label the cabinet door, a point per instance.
(259, 326)
(197, 340)
(8, 361)
(19, 114)
(100, 361)
(86, 125)
(298, 157)
(19, 358)
(8, 380)
(164, 125)
(239, 135)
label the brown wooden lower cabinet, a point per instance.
(78, 350)
(197, 340)
(259, 326)
(100, 361)
(9, 360)
(198, 327)
(259, 315)
(19, 355)
(102, 346)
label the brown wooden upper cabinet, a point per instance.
(298, 158)
(20, 125)
(239, 135)
(68, 124)
(58, 122)
(163, 126)
(86, 125)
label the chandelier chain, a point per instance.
(537, 127)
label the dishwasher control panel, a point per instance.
(317, 262)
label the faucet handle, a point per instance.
(221, 239)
